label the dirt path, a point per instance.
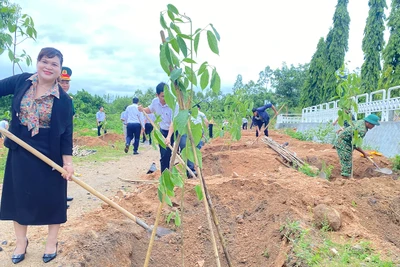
(102, 176)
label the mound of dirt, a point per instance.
(103, 140)
(253, 195)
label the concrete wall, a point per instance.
(384, 138)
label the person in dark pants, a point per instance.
(160, 107)
(148, 127)
(134, 125)
(33, 193)
(261, 117)
(244, 124)
(210, 128)
(100, 119)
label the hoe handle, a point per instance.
(75, 179)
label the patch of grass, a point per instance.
(396, 162)
(104, 153)
(298, 135)
(308, 170)
(315, 248)
(327, 170)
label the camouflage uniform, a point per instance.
(343, 145)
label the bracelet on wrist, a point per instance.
(68, 164)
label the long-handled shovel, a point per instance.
(382, 170)
(160, 231)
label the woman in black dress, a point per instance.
(34, 193)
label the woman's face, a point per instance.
(49, 69)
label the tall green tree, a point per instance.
(312, 90)
(372, 45)
(288, 82)
(391, 53)
(238, 83)
(336, 48)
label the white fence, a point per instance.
(378, 101)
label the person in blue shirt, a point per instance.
(261, 117)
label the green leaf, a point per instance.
(11, 27)
(202, 68)
(176, 177)
(168, 54)
(196, 42)
(169, 97)
(182, 46)
(163, 59)
(194, 111)
(175, 28)
(184, 36)
(191, 75)
(169, 217)
(197, 132)
(160, 190)
(172, 9)
(163, 22)
(212, 42)
(215, 82)
(175, 59)
(160, 138)
(180, 121)
(200, 157)
(177, 219)
(167, 180)
(168, 200)
(205, 77)
(174, 44)
(171, 15)
(175, 74)
(11, 55)
(199, 192)
(215, 32)
(189, 60)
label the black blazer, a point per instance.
(61, 126)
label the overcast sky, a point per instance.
(113, 46)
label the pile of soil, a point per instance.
(253, 195)
(103, 140)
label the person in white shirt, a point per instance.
(122, 117)
(134, 125)
(100, 120)
(4, 125)
(160, 107)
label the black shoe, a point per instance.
(70, 198)
(126, 149)
(189, 175)
(50, 257)
(135, 153)
(19, 257)
(67, 206)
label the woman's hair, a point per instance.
(50, 52)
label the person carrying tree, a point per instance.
(344, 143)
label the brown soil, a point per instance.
(253, 195)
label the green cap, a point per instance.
(66, 73)
(372, 118)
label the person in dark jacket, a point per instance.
(261, 117)
(33, 193)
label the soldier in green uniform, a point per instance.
(64, 80)
(344, 142)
